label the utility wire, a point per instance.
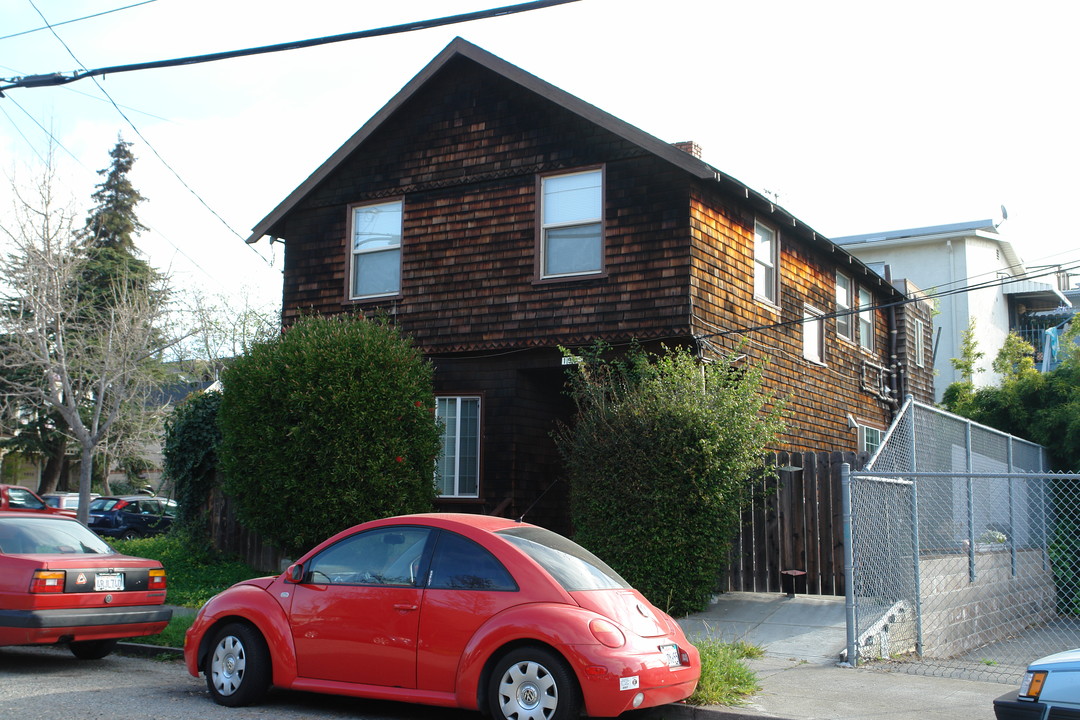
(143, 138)
(53, 79)
(75, 20)
(884, 306)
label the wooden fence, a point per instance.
(232, 538)
(794, 524)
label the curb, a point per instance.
(682, 711)
(143, 650)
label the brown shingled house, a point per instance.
(496, 218)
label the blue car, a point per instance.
(131, 516)
(1050, 690)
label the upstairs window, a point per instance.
(845, 302)
(458, 465)
(571, 228)
(813, 327)
(869, 439)
(766, 262)
(866, 320)
(376, 250)
(920, 343)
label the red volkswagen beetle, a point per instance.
(456, 610)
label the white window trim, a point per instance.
(844, 308)
(353, 252)
(813, 327)
(863, 431)
(771, 292)
(920, 343)
(866, 318)
(457, 448)
(544, 227)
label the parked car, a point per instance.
(472, 611)
(62, 584)
(1050, 689)
(131, 516)
(64, 500)
(16, 497)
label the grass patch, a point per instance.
(173, 634)
(194, 571)
(725, 678)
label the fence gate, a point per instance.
(964, 551)
(794, 523)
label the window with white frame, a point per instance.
(813, 327)
(920, 343)
(376, 250)
(571, 227)
(458, 465)
(766, 262)
(866, 320)
(869, 439)
(844, 305)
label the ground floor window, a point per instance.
(869, 439)
(458, 467)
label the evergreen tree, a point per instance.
(113, 222)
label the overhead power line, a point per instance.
(54, 79)
(75, 20)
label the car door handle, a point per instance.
(405, 607)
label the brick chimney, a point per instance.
(689, 146)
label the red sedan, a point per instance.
(16, 497)
(467, 611)
(61, 583)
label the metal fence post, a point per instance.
(970, 505)
(918, 571)
(1012, 512)
(849, 564)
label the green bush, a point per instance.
(725, 678)
(660, 461)
(326, 426)
(192, 437)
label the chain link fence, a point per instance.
(964, 551)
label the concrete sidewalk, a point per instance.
(799, 675)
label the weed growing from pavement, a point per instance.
(725, 678)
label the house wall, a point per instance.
(818, 397)
(465, 153)
(466, 162)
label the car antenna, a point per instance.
(521, 518)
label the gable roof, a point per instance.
(650, 143)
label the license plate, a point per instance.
(671, 655)
(108, 582)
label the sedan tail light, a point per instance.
(606, 633)
(157, 579)
(47, 581)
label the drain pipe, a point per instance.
(849, 567)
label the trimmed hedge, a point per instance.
(329, 425)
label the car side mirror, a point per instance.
(295, 574)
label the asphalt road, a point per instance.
(50, 684)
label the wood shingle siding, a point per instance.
(464, 147)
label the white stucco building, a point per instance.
(972, 272)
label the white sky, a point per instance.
(862, 116)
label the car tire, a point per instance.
(237, 668)
(130, 535)
(91, 649)
(532, 683)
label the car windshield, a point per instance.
(572, 566)
(39, 536)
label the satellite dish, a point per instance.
(1004, 217)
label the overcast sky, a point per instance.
(861, 116)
